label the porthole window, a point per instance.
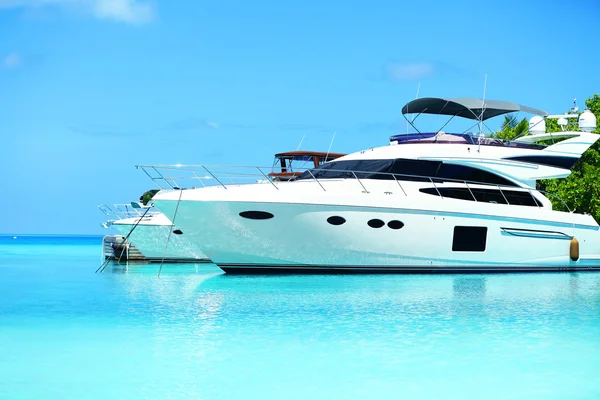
(394, 224)
(376, 223)
(256, 215)
(336, 220)
(177, 232)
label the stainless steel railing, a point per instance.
(171, 176)
(124, 211)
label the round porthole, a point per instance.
(395, 224)
(376, 223)
(177, 232)
(256, 215)
(336, 220)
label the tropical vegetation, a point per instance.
(580, 191)
(148, 195)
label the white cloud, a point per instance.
(402, 71)
(129, 11)
(12, 60)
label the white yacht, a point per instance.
(428, 202)
(148, 230)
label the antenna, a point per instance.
(330, 144)
(482, 112)
(300, 144)
(416, 97)
(482, 105)
(574, 109)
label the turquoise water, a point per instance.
(67, 333)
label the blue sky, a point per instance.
(89, 88)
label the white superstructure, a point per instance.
(429, 203)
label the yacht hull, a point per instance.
(299, 238)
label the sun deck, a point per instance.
(458, 138)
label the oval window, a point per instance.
(256, 215)
(395, 224)
(336, 220)
(177, 232)
(376, 223)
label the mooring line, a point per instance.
(170, 232)
(105, 263)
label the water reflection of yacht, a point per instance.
(427, 203)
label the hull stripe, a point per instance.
(368, 269)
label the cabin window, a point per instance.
(336, 220)
(395, 224)
(469, 238)
(177, 232)
(405, 170)
(552, 161)
(461, 172)
(515, 198)
(256, 215)
(375, 223)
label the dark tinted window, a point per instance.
(343, 168)
(256, 214)
(469, 238)
(336, 220)
(521, 198)
(486, 195)
(395, 224)
(407, 170)
(553, 161)
(464, 173)
(417, 168)
(376, 223)
(453, 193)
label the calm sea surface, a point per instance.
(67, 333)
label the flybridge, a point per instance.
(481, 110)
(470, 108)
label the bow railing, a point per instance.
(124, 211)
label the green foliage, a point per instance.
(511, 128)
(148, 195)
(580, 190)
(593, 104)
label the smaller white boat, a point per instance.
(151, 232)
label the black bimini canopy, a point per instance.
(470, 108)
